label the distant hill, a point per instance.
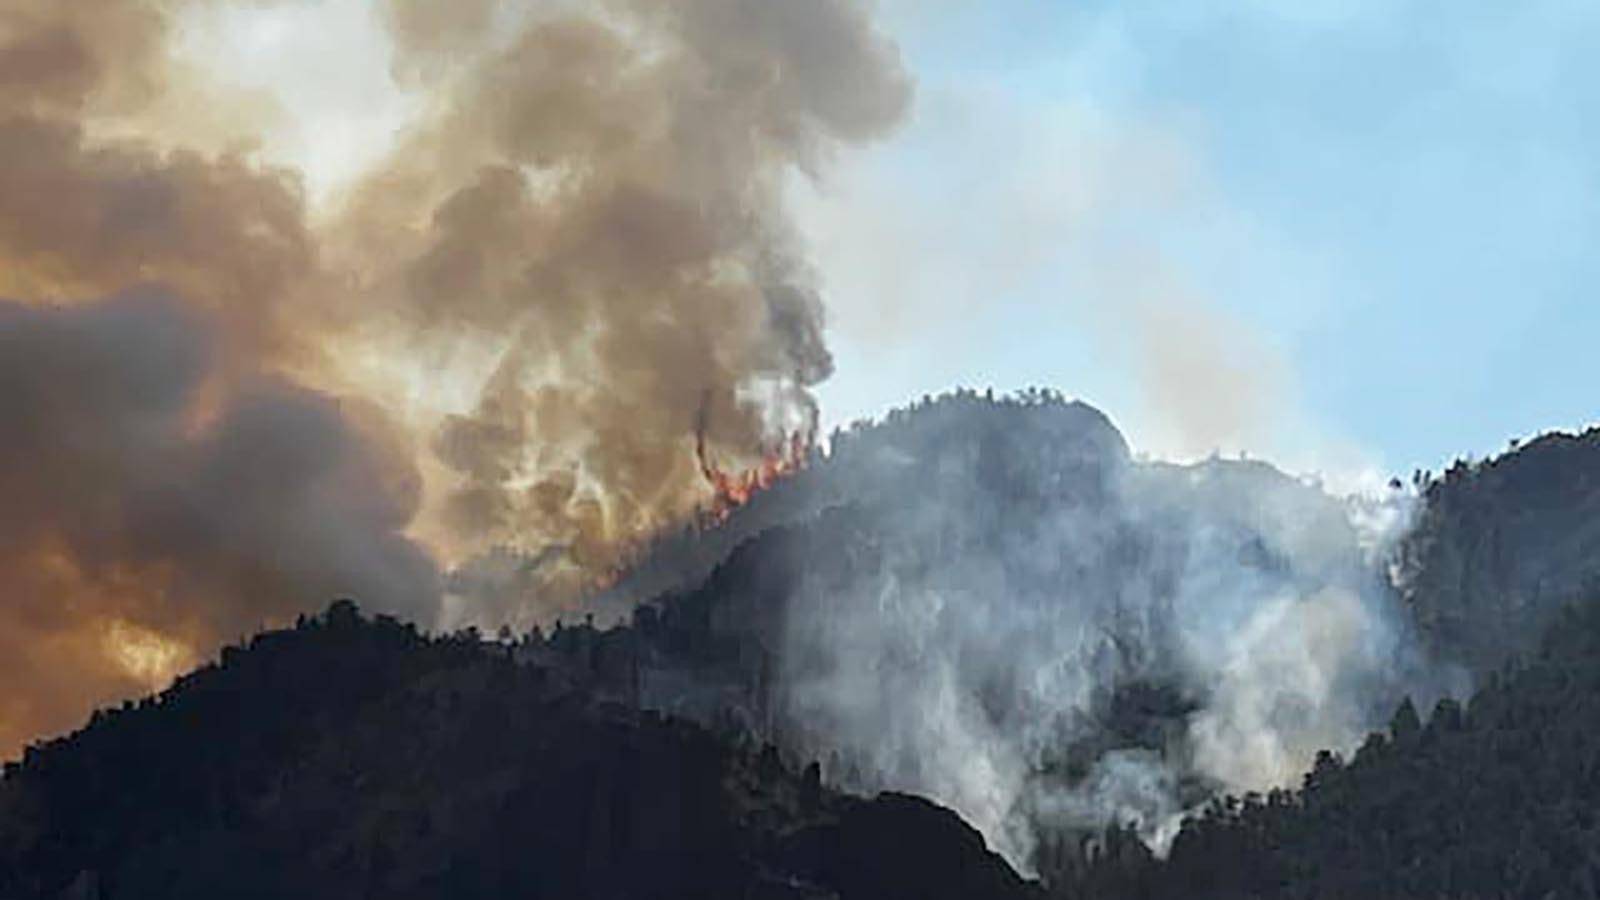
(348, 758)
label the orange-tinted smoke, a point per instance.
(151, 513)
(586, 229)
(164, 486)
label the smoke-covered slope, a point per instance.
(349, 759)
(1494, 799)
(992, 603)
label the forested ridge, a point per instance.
(348, 758)
(1497, 798)
(1502, 545)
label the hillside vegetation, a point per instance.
(1499, 798)
(347, 759)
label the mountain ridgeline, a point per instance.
(1078, 656)
(348, 758)
(993, 603)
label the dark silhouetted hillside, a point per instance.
(348, 758)
(1502, 545)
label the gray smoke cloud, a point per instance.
(1072, 639)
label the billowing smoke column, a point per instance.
(1025, 623)
(595, 211)
(220, 409)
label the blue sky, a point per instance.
(1353, 237)
(1373, 226)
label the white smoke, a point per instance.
(1051, 638)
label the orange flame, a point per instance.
(735, 489)
(730, 490)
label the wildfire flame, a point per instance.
(732, 490)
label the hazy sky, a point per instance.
(1342, 235)
(1378, 220)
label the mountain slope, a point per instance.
(994, 604)
(348, 759)
(1502, 545)
(1500, 798)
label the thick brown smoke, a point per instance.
(211, 403)
(163, 490)
(153, 508)
(596, 207)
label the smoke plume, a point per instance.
(501, 342)
(593, 217)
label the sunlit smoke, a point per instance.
(594, 208)
(162, 503)
(555, 278)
